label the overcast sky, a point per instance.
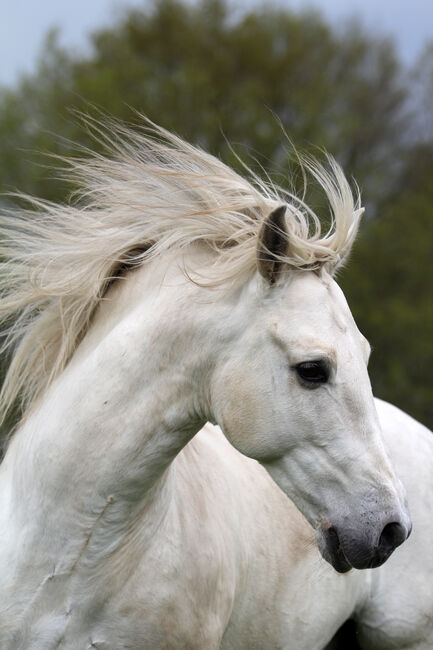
(23, 24)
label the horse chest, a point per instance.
(149, 609)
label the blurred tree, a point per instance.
(214, 74)
(423, 95)
(201, 70)
(389, 286)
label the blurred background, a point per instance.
(355, 78)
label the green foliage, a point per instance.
(202, 72)
(389, 286)
(215, 76)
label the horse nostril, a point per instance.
(392, 536)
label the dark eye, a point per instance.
(313, 373)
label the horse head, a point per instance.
(294, 393)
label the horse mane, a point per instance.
(153, 193)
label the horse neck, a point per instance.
(99, 444)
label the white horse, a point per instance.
(177, 293)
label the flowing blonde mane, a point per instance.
(155, 192)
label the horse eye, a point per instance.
(313, 373)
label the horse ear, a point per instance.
(272, 243)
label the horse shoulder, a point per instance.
(280, 587)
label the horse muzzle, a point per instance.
(346, 547)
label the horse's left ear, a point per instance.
(273, 242)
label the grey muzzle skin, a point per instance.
(345, 547)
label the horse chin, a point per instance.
(331, 550)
